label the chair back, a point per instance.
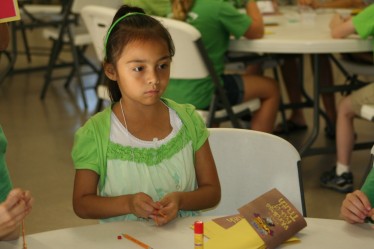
(191, 61)
(250, 163)
(187, 61)
(98, 20)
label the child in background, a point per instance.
(297, 120)
(217, 21)
(339, 177)
(15, 204)
(148, 156)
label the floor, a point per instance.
(40, 136)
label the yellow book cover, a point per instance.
(265, 222)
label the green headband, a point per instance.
(116, 22)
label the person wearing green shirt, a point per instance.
(357, 206)
(217, 20)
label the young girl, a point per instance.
(149, 156)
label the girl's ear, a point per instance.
(110, 71)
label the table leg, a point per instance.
(316, 109)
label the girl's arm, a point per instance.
(256, 29)
(340, 27)
(88, 205)
(207, 195)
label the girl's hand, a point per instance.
(169, 207)
(142, 205)
(356, 207)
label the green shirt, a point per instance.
(368, 187)
(152, 7)
(90, 150)
(364, 23)
(217, 21)
(5, 183)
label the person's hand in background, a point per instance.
(12, 212)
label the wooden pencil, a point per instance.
(23, 235)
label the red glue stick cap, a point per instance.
(199, 227)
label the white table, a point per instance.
(320, 233)
(294, 36)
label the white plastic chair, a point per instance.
(250, 163)
(98, 20)
(191, 61)
(76, 36)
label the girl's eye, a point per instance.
(163, 66)
(138, 69)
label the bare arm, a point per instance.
(207, 194)
(341, 28)
(87, 204)
(256, 29)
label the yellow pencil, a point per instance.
(138, 242)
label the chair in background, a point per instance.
(37, 16)
(250, 163)
(72, 33)
(98, 20)
(191, 61)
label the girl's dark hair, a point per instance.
(132, 28)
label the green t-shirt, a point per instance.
(152, 7)
(90, 150)
(364, 23)
(217, 21)
(5, 183)
(368, 187)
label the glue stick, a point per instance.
(199, 235)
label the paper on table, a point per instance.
(233, 232)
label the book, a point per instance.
(9, 11)
(273, 217)
(265, 222)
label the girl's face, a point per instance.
(142, 71)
